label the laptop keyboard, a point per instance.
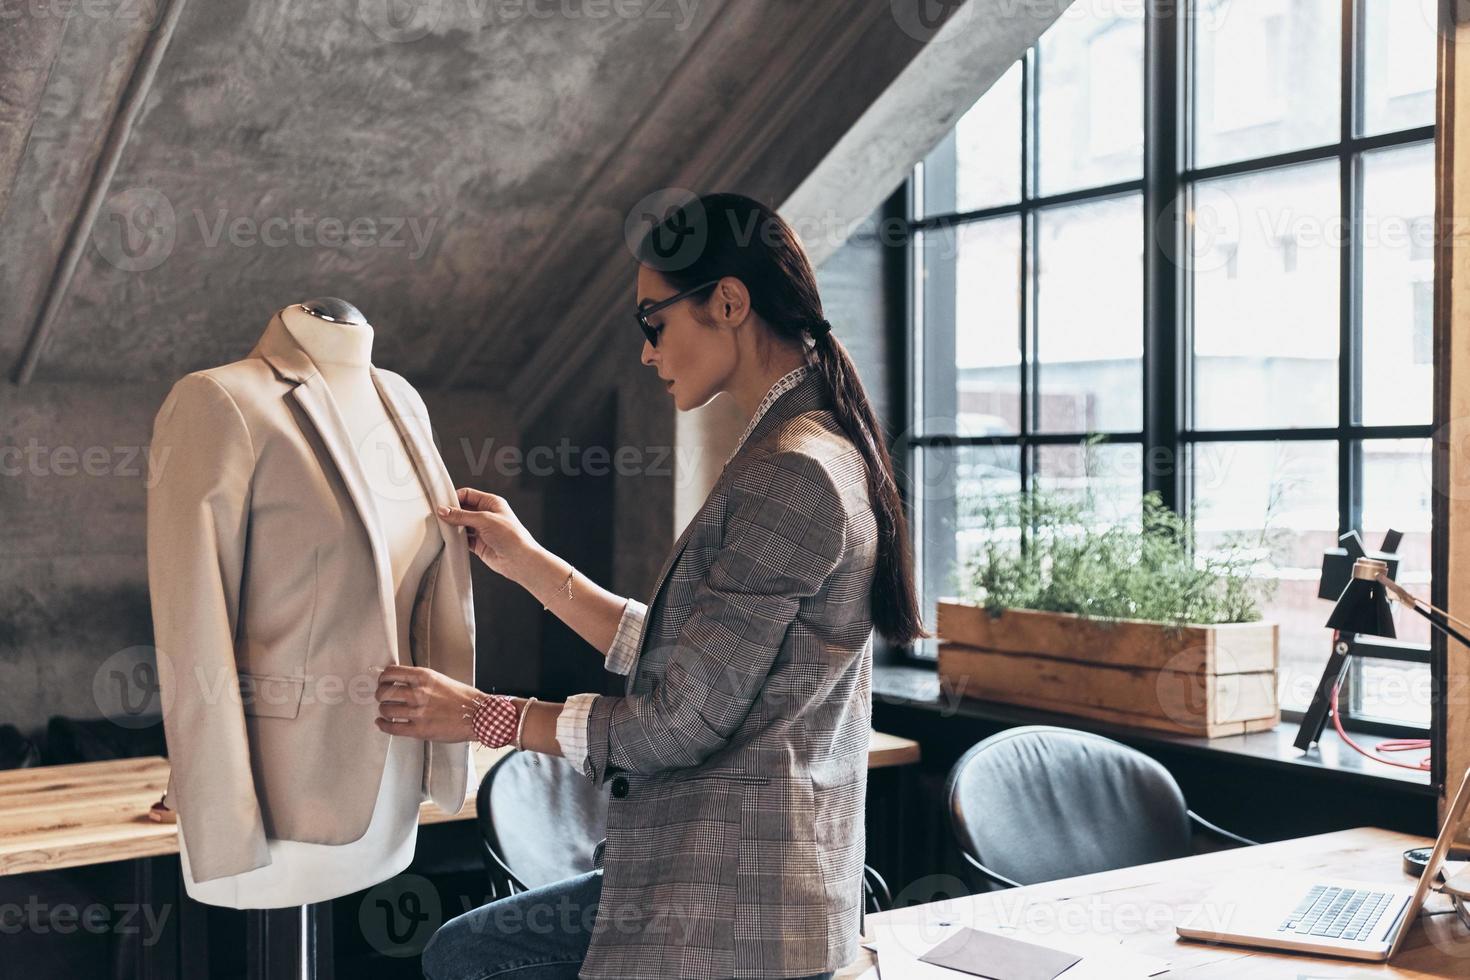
(1337, 913)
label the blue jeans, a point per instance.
(541, 934)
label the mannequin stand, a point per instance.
(289, 944)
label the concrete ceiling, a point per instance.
(461, 170)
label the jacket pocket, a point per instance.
(420, 634)
(723, 773)
(271, 695)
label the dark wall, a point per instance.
(578, 507)
(602, 499)
(73, 578)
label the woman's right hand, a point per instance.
(496, 535)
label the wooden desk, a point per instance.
(54, 817)
(887, 751)
(58, 817)
(1140, 906)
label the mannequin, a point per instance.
(339, 340)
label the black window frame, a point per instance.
(1168, 179)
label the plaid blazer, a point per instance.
(738, 757)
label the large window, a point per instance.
(1204, 232)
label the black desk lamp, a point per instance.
(1363, 608)
(1337, 575)
(1363, 605)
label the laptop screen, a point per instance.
(1449, 831)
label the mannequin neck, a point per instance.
(341, 345)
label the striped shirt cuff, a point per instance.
(623, 653)
(571, 728)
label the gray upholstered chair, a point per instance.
(1038, 803)
(539, 822)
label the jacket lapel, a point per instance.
(316, 402)
(446, 594)
(683, 539)
(310, 392)
(418, 439)
(454, 568)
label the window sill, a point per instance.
(916, 685)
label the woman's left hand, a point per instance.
(422, 703)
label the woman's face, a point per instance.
(692, 359)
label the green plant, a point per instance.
(1047, 552)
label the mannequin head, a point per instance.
(333, 310)
(331, 331)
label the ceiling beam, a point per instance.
(457, 353)
(29, 49)
(767, 135)
(966, 57)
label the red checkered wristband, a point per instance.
(494, 719)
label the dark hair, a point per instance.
(721, 235)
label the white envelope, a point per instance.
(900, 946)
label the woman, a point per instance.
(738, 758)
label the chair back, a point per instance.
(1038, 803)
(539, 821)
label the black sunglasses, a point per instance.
(644, 312)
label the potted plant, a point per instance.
(1127, 622)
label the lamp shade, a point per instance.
(1363, 606)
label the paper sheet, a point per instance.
(900, 946)
(981, 953)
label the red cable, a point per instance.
(1391, 745)
(1402, 744)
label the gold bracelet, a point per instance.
(521, 729)
(565, 585)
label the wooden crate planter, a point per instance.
(1194, 680)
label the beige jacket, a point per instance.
(272, 604)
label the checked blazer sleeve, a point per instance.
(785, 532)
(571, 723)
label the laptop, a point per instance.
(1323, 916)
